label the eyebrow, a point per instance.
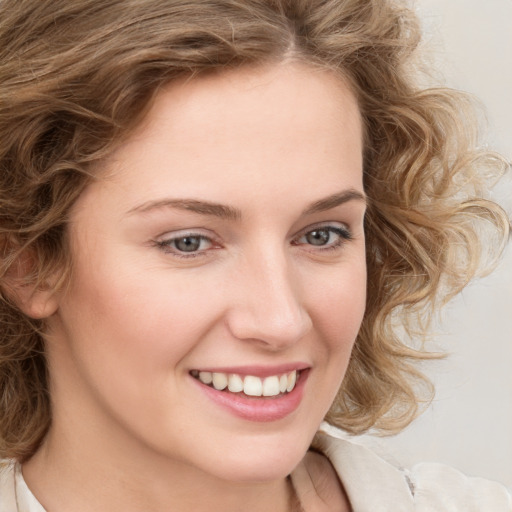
(335, 200)
(194, 205)
(231, 213)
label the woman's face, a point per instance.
(224, 240)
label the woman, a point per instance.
(212, 214)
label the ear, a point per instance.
(37, 303)
(36, 299)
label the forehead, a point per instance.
(258, 97)
(246, 129)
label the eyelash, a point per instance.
(343, 233)
(166, 245)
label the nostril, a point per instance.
(267, 304)
(273, 332)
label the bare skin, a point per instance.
(276, 278)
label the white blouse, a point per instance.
(372, 484)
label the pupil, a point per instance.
(188, 243)
(318, 237)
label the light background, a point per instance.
(469, 424)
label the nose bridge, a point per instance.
(269, 306)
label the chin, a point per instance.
(261, 459)
(259, 469)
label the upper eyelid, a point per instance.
(166, 238)
(324, 225)
(180, 233)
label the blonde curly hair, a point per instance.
(76, 76)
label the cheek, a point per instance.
(337, 315)
(339, 309)
(125, 334)
(130, 333)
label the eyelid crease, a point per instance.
(180, 233)
(338, 227)
(185, 234)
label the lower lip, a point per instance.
(259, 409)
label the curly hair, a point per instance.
(76, 76)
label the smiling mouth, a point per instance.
(249, 385)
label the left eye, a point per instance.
(329, 236)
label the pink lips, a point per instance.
(258, 409)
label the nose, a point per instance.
(268, 304)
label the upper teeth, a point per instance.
(249, 385)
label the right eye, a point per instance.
(188, 245)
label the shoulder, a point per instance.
(372, 483)
(444, 488)
(7, 486)
(14, 493)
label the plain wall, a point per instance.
(469, 424)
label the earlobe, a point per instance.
(37, 303)
(36, 298)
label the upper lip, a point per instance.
(256, 370)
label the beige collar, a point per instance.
(370, 482)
